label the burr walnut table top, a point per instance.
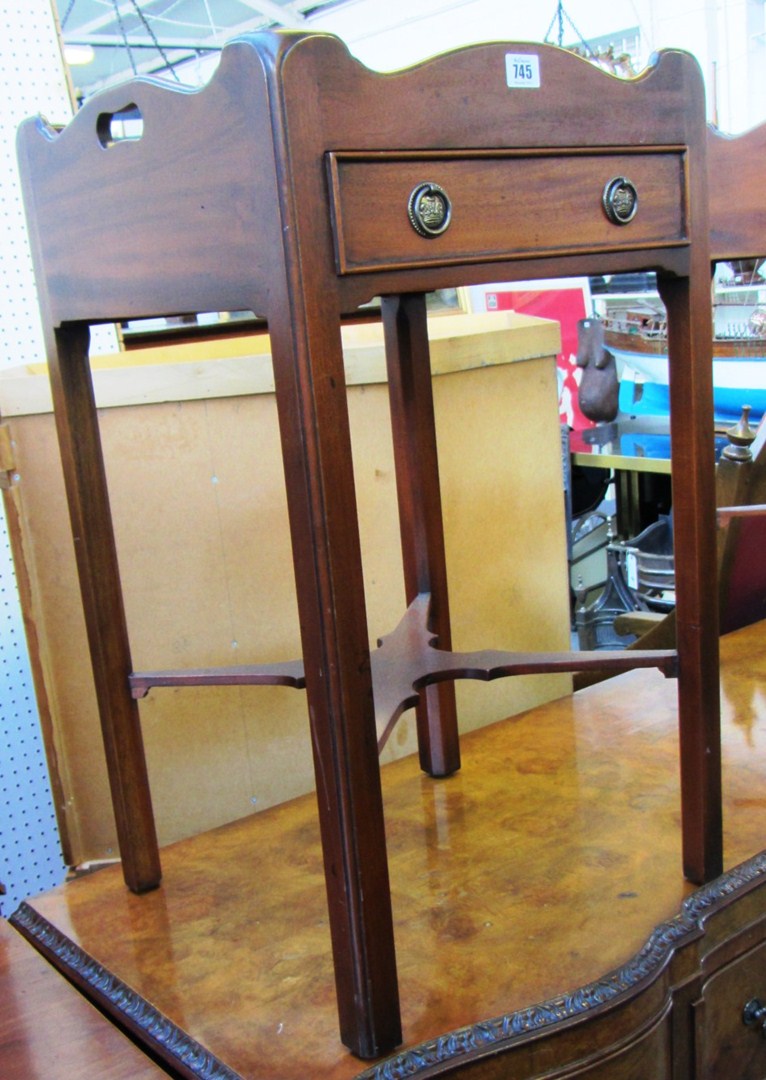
(545, 863)
(50, 1032)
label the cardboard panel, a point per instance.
(200, 518)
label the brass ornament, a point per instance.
(429, 209)
(620, 200)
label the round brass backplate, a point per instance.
(429, 209)
(620, 200)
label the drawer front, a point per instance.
(725, 1045)
(501, 206)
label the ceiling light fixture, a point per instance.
(79, 55)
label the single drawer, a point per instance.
(727, 1045)
(501, 205)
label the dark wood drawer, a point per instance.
(725, 1046)
(511, 204)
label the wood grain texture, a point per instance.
(421, 524)
(48, 1031)
(544, 863)
(364, 116)
(721, 1043)
(737, 214)
(103, 607)
(373, 233)
(252, 229)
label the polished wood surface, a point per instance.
(541, 865)
(48, 1031)
(96, 554)
(253, 228)
(424, 559)
(369, 192)
(735, 178)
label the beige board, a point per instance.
(199, 509)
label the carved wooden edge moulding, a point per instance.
(491, 1035)
(177, 1047)
(156, 1031)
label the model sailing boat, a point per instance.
(636, 334)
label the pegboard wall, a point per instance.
(27, 29)
(30, 853)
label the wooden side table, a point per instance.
(298, 185)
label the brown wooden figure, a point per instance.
(298, 185)
(599, 389)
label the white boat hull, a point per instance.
(737, 381)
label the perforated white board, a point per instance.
(33, 82)
(30, 852)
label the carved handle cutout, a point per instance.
(125, 125)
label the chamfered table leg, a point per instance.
(420, 511)
(691, 416)
(316, 444)
(96, 555)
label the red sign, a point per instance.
(566, 307)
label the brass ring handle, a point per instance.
(754, 1014)
(620, 200)
(429, 209)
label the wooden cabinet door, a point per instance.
(726, 1047)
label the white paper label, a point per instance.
(522, 69)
